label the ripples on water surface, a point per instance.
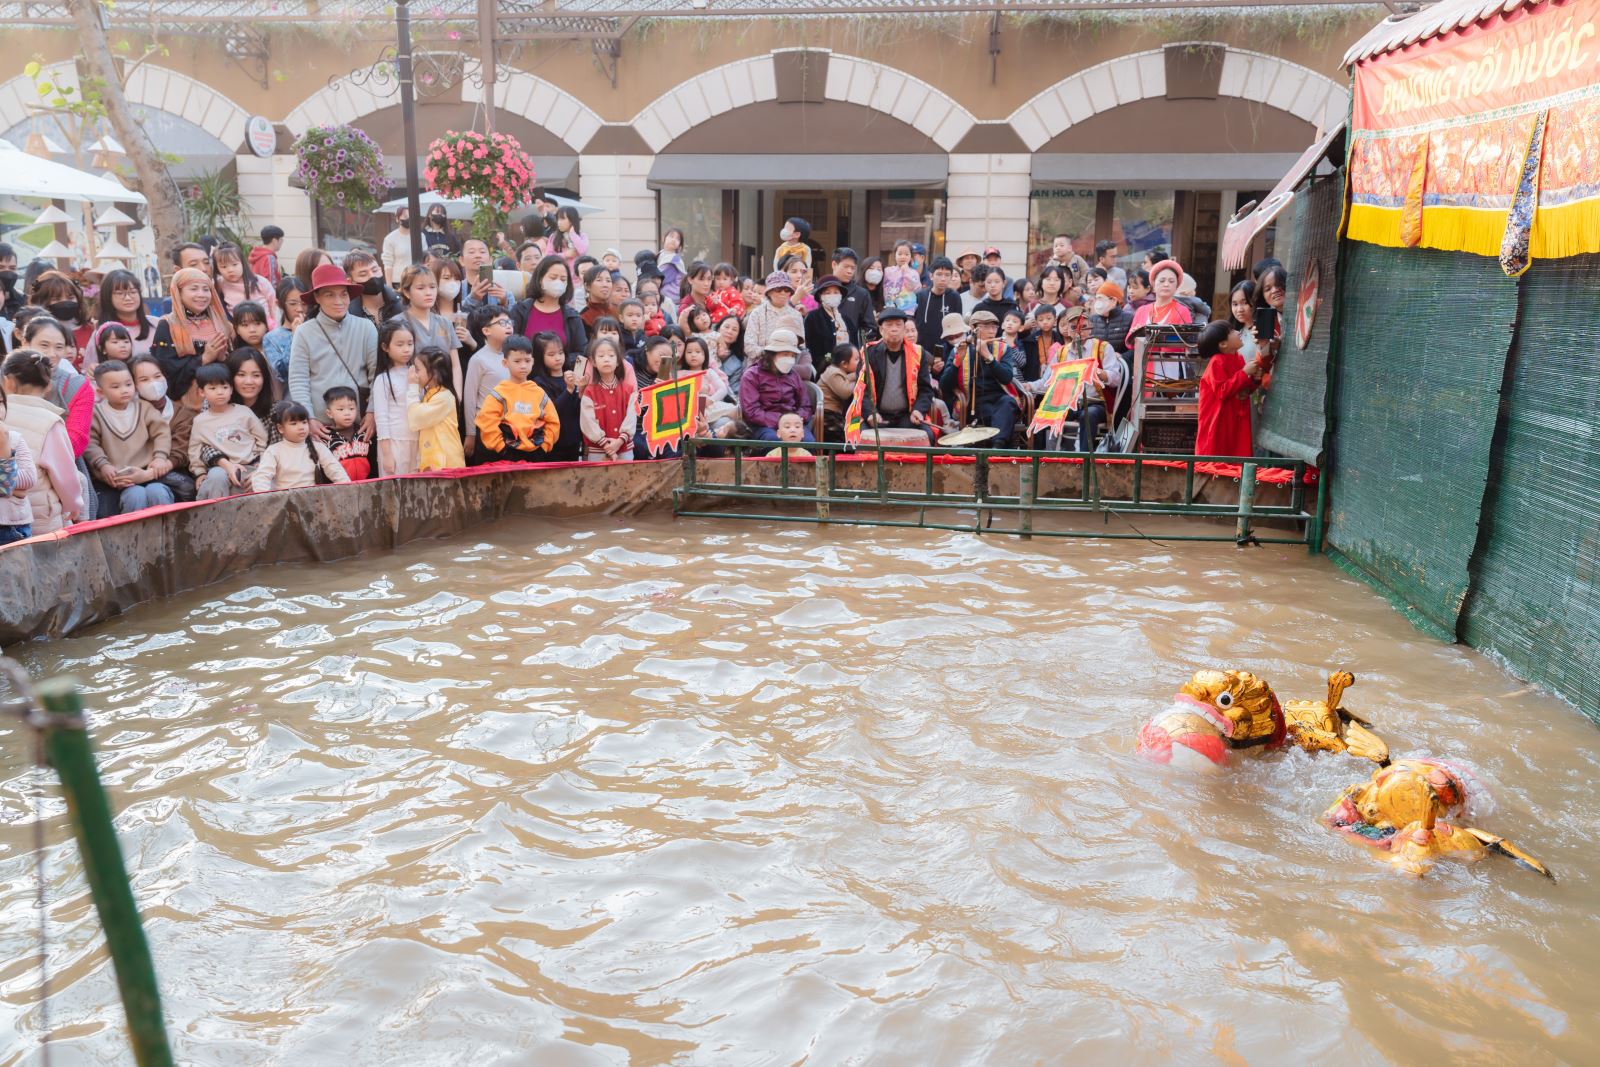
(728, 794)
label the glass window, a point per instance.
(1141, 221)
(915, 216)
(697, 211)
(341, 230)
(1059, 211)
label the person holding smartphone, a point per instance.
(476, 265)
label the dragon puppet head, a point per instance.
(1213, 713)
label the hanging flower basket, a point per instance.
(491, 170)
(341, 167)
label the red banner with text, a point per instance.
(1485, 140)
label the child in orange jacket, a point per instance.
(517, 421)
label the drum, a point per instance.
(890, 435)
(971, 437)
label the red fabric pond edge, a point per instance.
(1265, 474)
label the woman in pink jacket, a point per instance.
(69, 391)
(57, 495)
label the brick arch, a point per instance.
(540, 102)
(850, 80)
(153, 87)
(1254, 76)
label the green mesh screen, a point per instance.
(1536, 575)
(1294, 413)
(1422, 350)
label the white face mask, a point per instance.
(1102, 305)
(555, 289)
(831, 300)
(784, 364)
(787, 233)
(450, 288)
(155, 390)
(874, 276)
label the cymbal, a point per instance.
(972, 435)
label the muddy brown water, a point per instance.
(713, 793)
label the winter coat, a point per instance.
(766, 396)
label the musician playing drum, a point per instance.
(902, 387)
(987, 371)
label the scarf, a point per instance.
(912, 357)
(967, 373)
(177, 321)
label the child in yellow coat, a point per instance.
(431, 412)
(517, 420)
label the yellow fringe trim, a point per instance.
(1568, 230)
(1374, 225)
(1558, 232)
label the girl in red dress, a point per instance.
(1225, 390)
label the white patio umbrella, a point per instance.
(462, 209)
(567, 201)
(455, 209)
(33, 178)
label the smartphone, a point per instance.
(486, 273)
(579, 367)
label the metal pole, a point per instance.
(980, 489)
(1247, 498)
(1027, 476)
(824, 484)
(68, 750)
(408, 114)
(1315, 533)
(487, 17)
(688, 468)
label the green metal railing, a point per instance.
(821, 496)
(54, 712)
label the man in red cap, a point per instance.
(333, 347)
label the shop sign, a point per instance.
(260, 136)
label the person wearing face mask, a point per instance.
(792, 242)
(551, 309)
(1109, 318)
(378, 302)
(396, 247)
(10, 298)
(60, 296)
(772, 388)
(436, 231)
(872, 282)
(825, 328)
(777, 312)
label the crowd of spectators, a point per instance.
(260, 373)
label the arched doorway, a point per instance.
(1109, 178)
(861, 178)
(555, 164)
